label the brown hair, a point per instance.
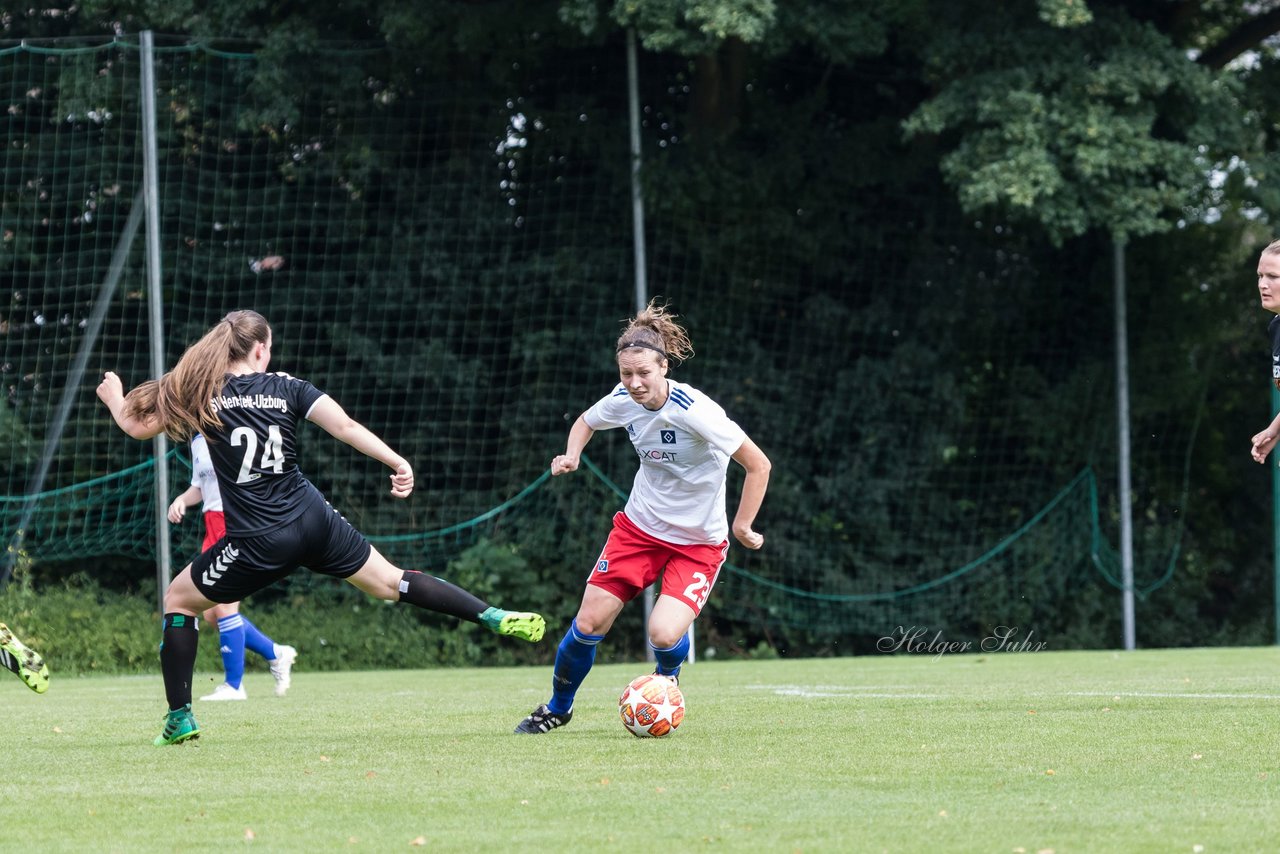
(181, 398)
(655, 329)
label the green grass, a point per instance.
(1089, 751)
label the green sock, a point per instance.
(492, 617)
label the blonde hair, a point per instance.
(653, 328)
(181, 399)
(1272, 248)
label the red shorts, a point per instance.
(632, 560)
(215, 528)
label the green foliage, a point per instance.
(81, 627)
(675, 26)
(23, 450)
(1105, 126)
(1065, 13)
(839, 32)
(88, 628)
(843, 31)
(917, 329)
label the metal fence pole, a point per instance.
(1122, 418)
(638, 247)
(150, 184)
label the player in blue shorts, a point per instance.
(276, 519)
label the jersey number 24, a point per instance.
(272, 452)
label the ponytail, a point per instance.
(653, 328)
(182, 398)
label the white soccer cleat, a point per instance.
(282, 668)
(226, 692)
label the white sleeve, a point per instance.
(609, 410)
(197, 448)
(721, 432)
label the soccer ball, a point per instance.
(651, 706)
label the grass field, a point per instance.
(1158, 751)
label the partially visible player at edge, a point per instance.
(674, 522)
(24, 661)
(1269, 294)
(236, 632)
(276, 519)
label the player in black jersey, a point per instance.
(276, 520)
(1269, 296)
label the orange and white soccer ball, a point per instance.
(651, 706)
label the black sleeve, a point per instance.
(1273, 329)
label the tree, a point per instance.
(888, 222)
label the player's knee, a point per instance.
(217, 612)
(666, 628)
(380, 580)
(378, 588)
(588, 625)
(176, 601)
(664, 637)
(380, 584)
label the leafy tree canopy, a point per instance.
(1118, 115)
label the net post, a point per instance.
(1122, 420)
(637, 196)
(150, 185)
(637, 234)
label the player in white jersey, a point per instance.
(674, 523)
(236, 632)
(276, 519)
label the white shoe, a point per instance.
(226, 692)
(282, 668)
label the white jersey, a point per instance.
(202, 475)
(684, 448)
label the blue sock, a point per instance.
(256, 641)
(670, 659)
(574, 658)
(231, 645)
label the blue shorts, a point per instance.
(320, 539)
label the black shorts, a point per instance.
(320, 539)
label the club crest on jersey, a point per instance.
(602, 566)
(668, 437)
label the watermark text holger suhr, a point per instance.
(917, 639)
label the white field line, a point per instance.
(894, 692)
(887, 692)
(1180, 695)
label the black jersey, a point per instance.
(254, 454)
(1273, 329)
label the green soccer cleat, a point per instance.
(25, 662)
(515, 624)
(179, 726)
